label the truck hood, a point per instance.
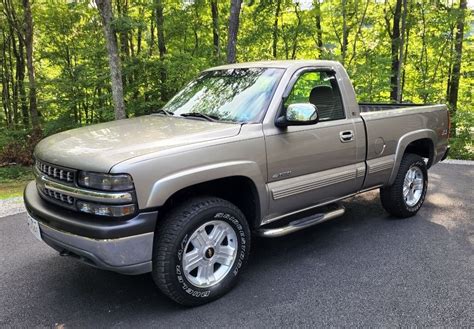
(100, 147)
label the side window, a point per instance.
(321, 89)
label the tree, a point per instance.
(29, 63)
(401, 53)
(297, 30)
(453, 88)
(105, 10)
(345, 31)
(275, 28)
(160, 25)
(16, 38)
(163, 44)
(234, 20)
(319, 30)
(215, 29)
(395, 55)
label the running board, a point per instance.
(301, 224)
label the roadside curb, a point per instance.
(459, 162)
(11, 206)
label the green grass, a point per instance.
(13, 180)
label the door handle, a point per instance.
(346, 136)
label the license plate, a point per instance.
(34, 227)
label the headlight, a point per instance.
(105, 210)
(105, 182)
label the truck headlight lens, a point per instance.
(105, 210)
(105, 182)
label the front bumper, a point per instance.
(120, 246)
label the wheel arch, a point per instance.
(238, 182)
(420, 142)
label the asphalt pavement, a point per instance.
(362, 269)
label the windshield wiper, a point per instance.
(201, 115)
(161, 111)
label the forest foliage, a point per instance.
(162, 44)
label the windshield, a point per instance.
(239, 95)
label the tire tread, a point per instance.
(392, 196)
(166, 235)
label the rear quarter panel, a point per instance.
(390, 132)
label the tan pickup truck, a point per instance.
(267, 148)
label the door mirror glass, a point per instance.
(299, 114)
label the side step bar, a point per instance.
(301, 224)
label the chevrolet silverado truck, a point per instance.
(264, 148)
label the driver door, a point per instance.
(316, 163)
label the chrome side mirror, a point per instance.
(298, 114)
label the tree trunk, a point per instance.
(345, 32)
(234, 20)
(6, 82)
(275, 29)
(450, 60)
(140, 32)
(358, 32)
(20, 67)
(297, 31)
(160, 22)
(122, 11)
(423, 63)
(29, 63)
(402, 49)
(456, 70)
(196, 29)
(14, 78)
(17, 28)
(319, 29)
(405, 57)
(215, 29)
(105, 10)
(395, 67)
(152, 35)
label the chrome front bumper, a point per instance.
(128, 255)
(123, 246)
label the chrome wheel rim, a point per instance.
(210, 253)
(413, 186)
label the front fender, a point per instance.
(166, 186)
(405, 140)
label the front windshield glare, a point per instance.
(240, 95)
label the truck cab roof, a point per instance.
(284, 64)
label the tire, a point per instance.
(393, 199)
(180, 241)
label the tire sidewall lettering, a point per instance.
(203, 293)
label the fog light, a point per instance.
(105, 210)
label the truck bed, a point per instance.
(374, 107)
(387, 124)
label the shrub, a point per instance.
(461, 144)
(17, 147)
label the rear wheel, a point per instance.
(199, 250)
(406, 196)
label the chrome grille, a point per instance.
(63, 198)
(58, 173)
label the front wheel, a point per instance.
(406, 196)
(199, 250)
